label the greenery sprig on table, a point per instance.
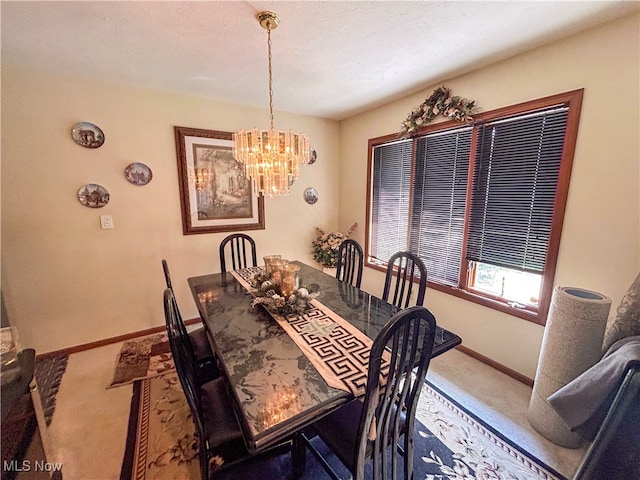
(270, 295)
(440, 102)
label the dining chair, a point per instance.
(379, 428)
(220, 436)
(217, 429)
(238, 245)
(198, 346)
(402, 269)
(350, 262)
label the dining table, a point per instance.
(276, 384)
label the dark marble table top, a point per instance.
(276, 388)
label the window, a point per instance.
(482, 205)
(390, 201)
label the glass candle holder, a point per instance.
(290, 280)
(268, 263)
(276, 272)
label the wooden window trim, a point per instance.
(572, 98)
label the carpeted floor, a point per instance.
(450, 442)
(89, 427)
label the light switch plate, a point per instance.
(106, 222)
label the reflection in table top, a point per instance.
(276, 386)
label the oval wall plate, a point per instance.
(87, 135)
(313, 156)
(311, 195)
(93, 195)
(138, 173)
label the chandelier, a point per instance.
(272, 158)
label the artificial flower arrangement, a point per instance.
(440, 102)
(269, 294)
(326, 245)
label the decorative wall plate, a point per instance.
(311, 195)
(93, 195)
(313, 156)
(87, 134)
(138, 173)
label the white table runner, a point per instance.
(337, 349)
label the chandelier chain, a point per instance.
(270, 79)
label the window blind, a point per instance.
(439, 199)
(391, 175)
(514, 187)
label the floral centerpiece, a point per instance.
(269, 294)
(326, 245)
(440, 102)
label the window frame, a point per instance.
(574, 100)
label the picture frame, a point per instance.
(215, 194)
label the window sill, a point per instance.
(528, 315)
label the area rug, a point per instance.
(142, 358)
(450, 443)
(48, 373)
(473, 449)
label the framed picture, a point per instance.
(215, 194)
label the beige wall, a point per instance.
(600, 248)
(66, 281)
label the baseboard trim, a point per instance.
(109, 341)
(128, 336)
(498, 366)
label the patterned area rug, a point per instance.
(161, 441)
(141, 358)
(450, 443)
(48, 372)
(472, 449)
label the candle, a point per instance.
(288, 286)
(276, 270)
(289, 278)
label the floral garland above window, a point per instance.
(440, 102)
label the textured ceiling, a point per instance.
(330, 59)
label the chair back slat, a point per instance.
(241, 248)
(403, 269)
(167, 276)
(409, 336)
(350, 262)
(185, 365)
(186, 370)
(190, 352)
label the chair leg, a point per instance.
(298, 456)
(306, 443)
(204, 465)
(408, 456)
